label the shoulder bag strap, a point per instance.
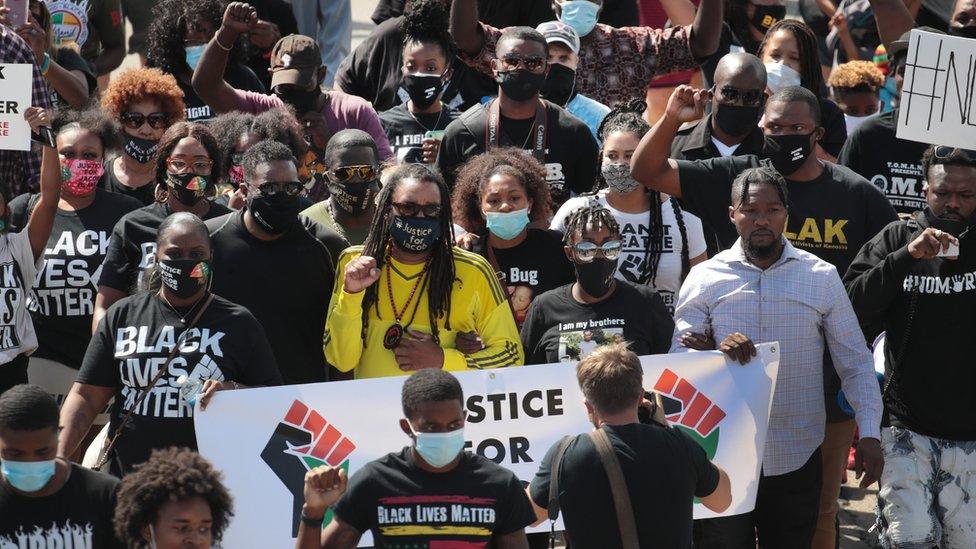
(145, 392)
(552, 509)
(618, 487)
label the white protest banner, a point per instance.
(938, 95)
(16, 84)
(264, 440)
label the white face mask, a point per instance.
(779, 76)
(853, 122)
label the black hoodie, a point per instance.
(934, 387)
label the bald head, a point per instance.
(740, 70)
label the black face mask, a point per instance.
(735, 120)
(767, 16)
(963, 32)
(185, 277)
(190, 188)
(353, 198)
(141, 150)
(787, 152)
(520, 85)
(596, 277)
(423, 89)
(300, 100)
(415, 234)
(560, 84)
(276, 213)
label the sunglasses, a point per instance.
(747, 97)
(271, 188)
(345, 173)
(411, 209)
(532, 64)
(586, 250)
(943, 152)
(135, 120)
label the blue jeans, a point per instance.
(329, 22)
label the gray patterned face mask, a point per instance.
(618, 177)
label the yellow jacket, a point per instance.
(478, 304)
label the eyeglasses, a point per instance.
(411, 209)
(344, 173)
(135, 120)
(748, 97)
(534, 63)
(271, 188)
(943, 152)
(199, 167)
(586, 250)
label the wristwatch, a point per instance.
(313, 522)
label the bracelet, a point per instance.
(221, 46)
(45, 65)
(313, 522)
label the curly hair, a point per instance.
(811, 77)
(277, 124)
(428, 21)
(173, 474)
(170, 19)
(475, 173)
(168, 142)
(136, 85)
(91, 119)
(856, 76)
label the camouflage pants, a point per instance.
(928, 492)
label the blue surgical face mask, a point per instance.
(779, 76)
(193, 55)
(28, 476)
(507, 225)
(580, 14)
(439, 449)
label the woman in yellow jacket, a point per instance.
(406, 298)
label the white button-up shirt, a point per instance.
(800, 302)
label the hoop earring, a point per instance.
(161, 194)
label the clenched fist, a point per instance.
(360, 274)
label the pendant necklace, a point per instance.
(394, 333)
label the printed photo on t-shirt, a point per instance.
(576, 344)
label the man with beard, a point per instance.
(915, 282)
(764, 289)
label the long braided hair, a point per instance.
(594, 217)
(628, 118)
(440, 273)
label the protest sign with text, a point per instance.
(938, 95)
(16, 84)
(265, 440)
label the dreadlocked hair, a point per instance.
(811, 77)
(427, 21)
(628, 118)
(440, 272)
(762, 175)
(593, 216)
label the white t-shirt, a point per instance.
(17, 272)
(635, 229)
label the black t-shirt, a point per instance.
(132, 249)
(891, 164)
(406, 132)
(79, 515)
(285, 283)
(239, 77)
(530, 269)
(835, 128)
(373, 71)
(70, 60)
(132, 343)
(63, 297)
(831, 216)
(145, 194)
(572, 154)
(664, 470)
(561, 329)
(464, 507)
